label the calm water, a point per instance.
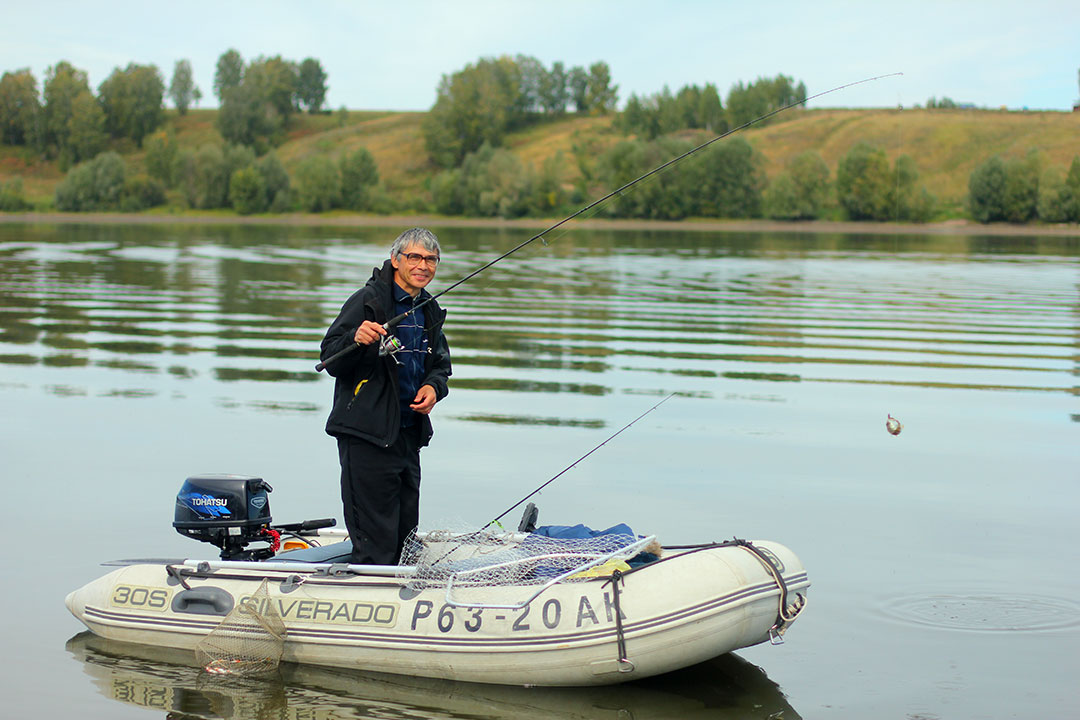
(132, 357)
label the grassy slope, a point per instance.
(945, 144)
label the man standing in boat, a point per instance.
(384, 393)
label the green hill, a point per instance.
(946, 145)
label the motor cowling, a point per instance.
(227, 511)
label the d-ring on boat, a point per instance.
(520, 608)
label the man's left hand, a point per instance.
(424, 400)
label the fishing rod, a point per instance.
(391, 347)
(572, 465)
(568, 468)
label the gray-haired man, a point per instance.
(382, 400)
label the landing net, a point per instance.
(497, 559)
(249, 641)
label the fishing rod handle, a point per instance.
(336, 356)
(388, 326)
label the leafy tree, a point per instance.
(94, 185)
(711, 110)
(131, 99)
(245, 120)
(749, 102)
(255, 111)
(863, 183)
(732, 180)
(85, 131)
(579, 88)
(602, 95)
(359, 175)
(20, 108)
(662, 113)
(476, 105)
(73, 123)
(554, 94)
(986, 190)
(800, 192)
(247, 191)
(275, 81)
(229, 73)
(182, 90)
(311, 85)
(532, 79)
(318, 184)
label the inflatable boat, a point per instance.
(574, 615)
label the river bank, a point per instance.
(951, 227)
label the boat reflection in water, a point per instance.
(170, 681)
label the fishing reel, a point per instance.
(390, 345)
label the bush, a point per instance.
(986, 191)
(800, 192)
(1005, 191)
(732, 181)
(1022, 189)
(141, 192)
(1053, 197)
(94, 185)
(359, 175)
(863, 183)
(247, 191)
(11, 196)
(162, 157)
(319, 184)
(276, 182)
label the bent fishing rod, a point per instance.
(393, 322)
(572, 465)
(495, 521)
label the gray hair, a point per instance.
(417, 235)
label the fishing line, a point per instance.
(597, 203)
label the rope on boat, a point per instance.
(625, 664)
(783, 619)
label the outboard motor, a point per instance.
(228, 511)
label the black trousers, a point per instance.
(380, 492)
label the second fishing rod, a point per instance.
(389, 345)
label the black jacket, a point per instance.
(366, 401)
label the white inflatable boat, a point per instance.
(589, 618)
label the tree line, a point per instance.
(726, 180)
(474, 110)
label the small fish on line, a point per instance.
(893, 425)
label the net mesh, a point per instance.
(488, 558)
(249, 641)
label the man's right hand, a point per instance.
(368, 332)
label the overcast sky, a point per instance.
(391, 55)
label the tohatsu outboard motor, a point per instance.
(228, 511)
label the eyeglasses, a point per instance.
(415, 258)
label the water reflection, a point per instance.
(170, 682)
(596, 313)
